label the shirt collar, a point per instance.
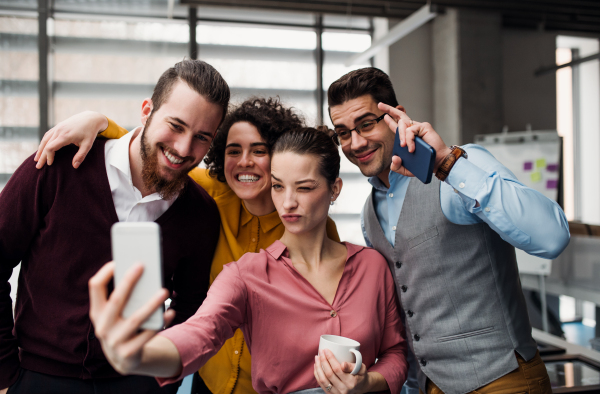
(118, 156)
(379, 185)
(267, 222)
(278, 249)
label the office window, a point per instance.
(106, 56)
(578, 122)
(18, 92)
(338, 47)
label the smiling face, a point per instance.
(248, 166)
(373, 155)
(301, 194)
(175, 138)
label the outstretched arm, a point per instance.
(127, 348)
(81, 130)
(177, 351)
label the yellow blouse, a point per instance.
(228, 371)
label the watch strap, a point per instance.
(449, 161)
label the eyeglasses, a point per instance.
(344, 137)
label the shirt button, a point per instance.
(417, 337)
(333, 313)
(253, 239)
(91, 336)
(393, 228)
(391, 194)
(398, 264)
(236, 352)
(487, 209)
(461, 185)
(410, 313)
(404, 288)
(423, 362)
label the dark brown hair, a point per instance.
(309, 141)
(357, 83)
(269, 116)
(200, 76)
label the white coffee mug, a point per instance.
(344, 349)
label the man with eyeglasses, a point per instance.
(450, 245)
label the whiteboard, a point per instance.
(533, 156)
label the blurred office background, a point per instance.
(468, 67)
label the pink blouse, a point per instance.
(282, 317)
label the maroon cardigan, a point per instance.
(56, 221)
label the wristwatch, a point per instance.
(448, 162)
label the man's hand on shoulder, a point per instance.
(409, 129)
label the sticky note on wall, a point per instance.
(551, 184)
(527, 166)
(536, 177)
(540, 163)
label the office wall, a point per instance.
(525, 97)
(411, 69)
(466, 74)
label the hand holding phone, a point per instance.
(133, 243)
(406, 129)
(420, 162)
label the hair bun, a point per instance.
(325, 129)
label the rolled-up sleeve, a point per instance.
(203, 334)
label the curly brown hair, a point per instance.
(268, 115)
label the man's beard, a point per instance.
(167, 189)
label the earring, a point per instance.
(332, 201)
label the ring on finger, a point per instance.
(328, 387)
(411, 122)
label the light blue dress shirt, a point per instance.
(523, 217)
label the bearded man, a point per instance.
(56, 222)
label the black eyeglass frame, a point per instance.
(337, 139)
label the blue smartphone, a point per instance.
(420, 163)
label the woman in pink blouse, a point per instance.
(282, 298)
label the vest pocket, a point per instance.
(424, 236)
(466, 334)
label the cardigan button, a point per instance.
(417, 337)
(410, 313)
(423, 362)
(333, 313)
(398, 264)
(404, 288)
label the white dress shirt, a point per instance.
(128, 200)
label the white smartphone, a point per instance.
(139, 243)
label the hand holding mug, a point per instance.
(339, 367)
(338, 378)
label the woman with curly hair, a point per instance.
(238, 178)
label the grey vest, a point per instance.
(460, 291)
